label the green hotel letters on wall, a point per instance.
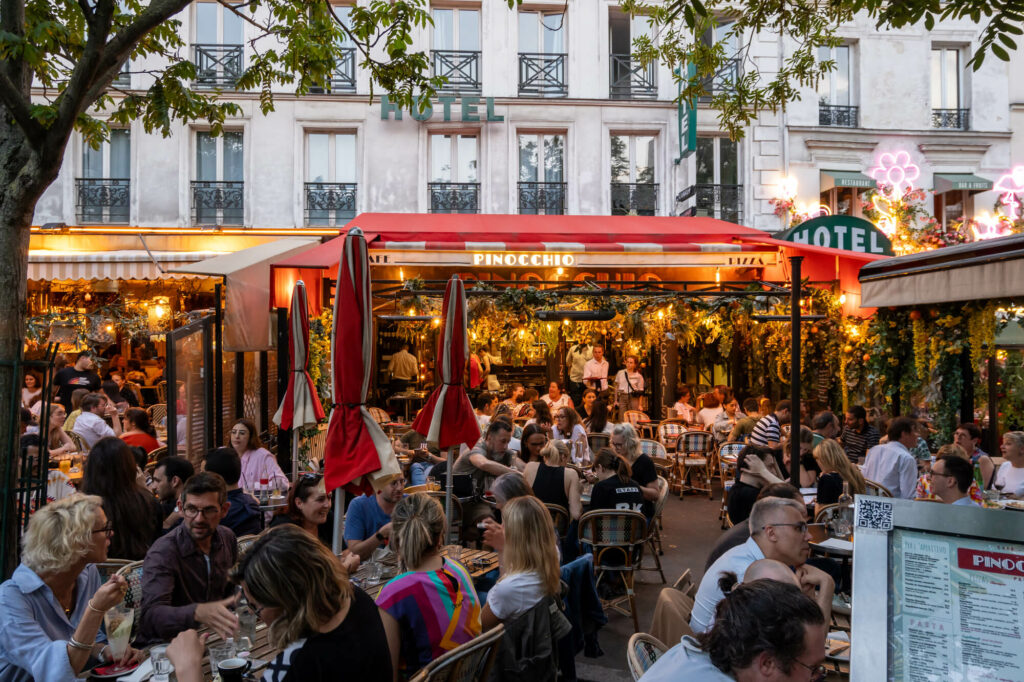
(469, 105)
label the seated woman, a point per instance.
(598, 421)
(541, 416)
(54, 603)
(528, 562)
(316, 618)
(726, 420)
(756, 467)
(709, 411)
(589, 397)
(524, 406)
(533, 441)
(555, 483)
(308, 506)
(59, 442)
(684, 404)
(556, 398)
(431, 607)
(836, 469)
(808, 466)
(615, 488)
(568, 428)
(138, 431)
(258, 463)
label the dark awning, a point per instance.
(948, 182)
(842, 178)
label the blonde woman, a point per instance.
(528, 561)
(555, 483)
(568, 427)
(835, 470)
(431, 607)
(54, 603)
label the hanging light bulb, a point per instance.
(88, 296)
(549, 326)
(436, 321)
(412, 311)
(566, 321)
(842, 299)
(560, 271)
(401, 274)
(718, 276)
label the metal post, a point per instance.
(285, 437)
(209, 391)
(171, 382)
(218, 365)
(449, 493)
(794, 373)
(239, 385)
(993, 405)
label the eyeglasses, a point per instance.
(239, 432)
(107, 529)
(939, 473)
(190, 511)
(818, 672)
(800, 527)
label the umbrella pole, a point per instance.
(339, 520)
(295, 455)
(448, 495)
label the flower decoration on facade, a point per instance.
(988, 226)
(896, 171)
(1012, 185)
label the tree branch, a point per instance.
(18, 107)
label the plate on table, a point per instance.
(109, 672)
(837, 646)
(1017, 505)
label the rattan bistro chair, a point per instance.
(641, 653)
(693, 452)
(560, 517)
(877, 489)
(132, 573)
(596, 441)
(654, 529)
(110, 567)
(617, 538)
(668, 434)
(466, 663)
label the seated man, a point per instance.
(368, 519)
(765, 630)
(778, 530)
(951, 479)
(424, 455)
(740, 533)
(185, 573)
(892, 464)
(169, 478)
(243, 517)
(91, 425)
(483, 463)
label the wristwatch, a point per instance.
(380, 538)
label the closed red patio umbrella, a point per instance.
(448, 418)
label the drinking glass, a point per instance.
(118, 621)
(162, 667)
(432, 484)
(455, 552)
(220, 652)
(65, 466)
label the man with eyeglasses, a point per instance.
(368, 519)
(185, 574)
(778, 530)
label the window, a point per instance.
(217, 50)
(948, 110)
(542, 54)
(456, 48)
(542, 32)
(217, 191)
(633, 187)
(834, 88)
(629, 79)
(842, 201)
(103, 189)
(541, 174)
(729, 73)
(343, 80)
(331, 182)
(953, 206)
(454, 183)
(717, 192)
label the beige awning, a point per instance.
(248, 324)
(46, 265)
(988, 269)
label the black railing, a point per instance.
(218, 202)
(724, 80)
(629, 79)
(838, 116)
(454, 197)
(542, 198)
(102, 200)
(951, 119)
(330, 203)
(217, 65)
(344, 78)
(724, 202)
(639, 198)
(460, 67)
(542, 74)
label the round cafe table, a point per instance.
(822, 543)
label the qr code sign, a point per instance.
(874, 514)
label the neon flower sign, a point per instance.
(1011, 185)
(897, 171)
(988, 226)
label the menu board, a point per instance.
(956, 608)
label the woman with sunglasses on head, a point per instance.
(258, 463)
(308, 506)
(52, 607)
(324, 627)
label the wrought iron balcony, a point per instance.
(951, 119)
(639, 198)
(724, 81)
(218, 65)
(460, 67)
(724, 202)
(542, 74)
(542, 198)
(630, 79)
(454, 197)
(344, 78)
(330, 203)
(102, 200)
(838, 116)
(218, 202)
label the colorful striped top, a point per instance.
(436, 612)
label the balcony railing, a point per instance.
(344, 78)
(724, 202)
(542, 198)
(724, 81)
(630, 79)
(460, 67)
(454, 197)
(218, 202)
(542, 74)
(102, 200)
(951, 119)
(838, 116)
(218, 65)
(637, 198)
(330, 203)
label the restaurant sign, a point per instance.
(469, 108)
(840, 232)
(583, 259)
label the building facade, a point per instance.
(545, 112)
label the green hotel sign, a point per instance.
(469, 107)
(840, 232)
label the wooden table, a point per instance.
(648, 428)
(819, 534)
(262, 649)
(478, 562)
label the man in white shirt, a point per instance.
(575, 360)
(892, 464)
(404, 369)
(595, 372)
(778, 530)
(951, 479)
(90, 425)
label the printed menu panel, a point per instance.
(956, 608)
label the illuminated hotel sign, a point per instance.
(524, 260)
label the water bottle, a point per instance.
(246, 624)
(844, 524)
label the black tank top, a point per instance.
(549, 485)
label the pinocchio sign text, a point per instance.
(525, 260)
